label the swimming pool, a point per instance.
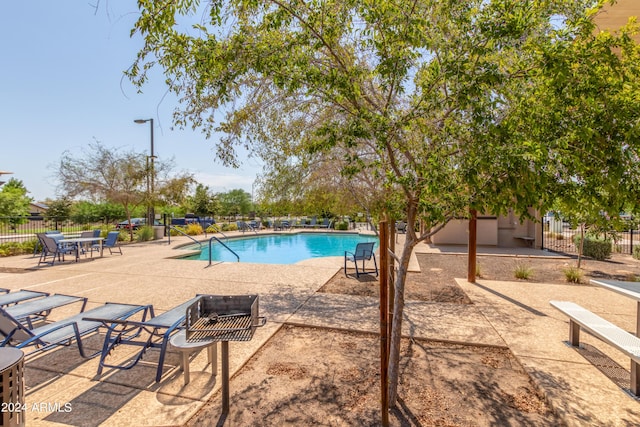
(283, 248)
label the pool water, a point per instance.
(283, 248)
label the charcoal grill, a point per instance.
(223, 318)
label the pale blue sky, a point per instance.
(62, 86)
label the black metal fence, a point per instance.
(21, 229)
(560, 237)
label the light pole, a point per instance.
(150, 180)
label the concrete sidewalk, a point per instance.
(516, 315)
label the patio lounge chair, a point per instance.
(159, 328)
(39, 309)
(62, 332)
(363, 252)
(19, 296)
(312, 223)
(50, 248)
(325, 223)
(111, 243)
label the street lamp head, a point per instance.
(140, 121)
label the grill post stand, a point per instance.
(225, 376)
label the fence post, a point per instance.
(631, 241)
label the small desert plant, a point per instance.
(144, 234)
(573, 275)
(478, 271)
(230, 227)
(194, 229)
(632, 277)
(636, 252)
(523, 272)
(213, 228)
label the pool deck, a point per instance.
(506, 314)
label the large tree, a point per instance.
(417, 99)
(104, 174)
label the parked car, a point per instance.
(135, 223)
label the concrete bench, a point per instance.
(627, 343)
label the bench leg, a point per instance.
(574, 333)
(635, 378)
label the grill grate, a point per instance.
(223, 318)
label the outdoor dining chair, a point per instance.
(50, 248)
(363, 252)
(111, 243)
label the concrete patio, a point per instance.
(516, 315)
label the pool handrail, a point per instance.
(222, 243)
(171, 227)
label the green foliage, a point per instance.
(60, 210)
(17, 248)
(14, 202)
(194, 229)
(213, 228)
(342, 225)
(636, 252)
(573, 275)
(144, 234)
(523, 272)
(599, 249)
(203, 203)
(230, 226)
(235, 202)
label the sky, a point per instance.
(62, 87)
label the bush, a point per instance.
(144, 234)
(573, 275)
(343, 225)
(599, 249)
(194, 229)
(523, 272)
(17, 248)
(636, 252)
(176, 229)
(230, 227)
(213, 228)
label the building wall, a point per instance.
(505, 231)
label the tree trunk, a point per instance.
(398, 309)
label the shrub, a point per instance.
(194, 229)
(478, 270)
(573, 275)
(599, 249)
(17, 248)
(636, 252)
(523, 272)
(144, 234)
(230, 227)
(213, 228)
(175, 230)
(343, 225)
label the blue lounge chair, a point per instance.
(39, 309)
(313, 222)
(62, 332)
(363, 252)
(19, 296)
(159, 328)
(325, 223)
